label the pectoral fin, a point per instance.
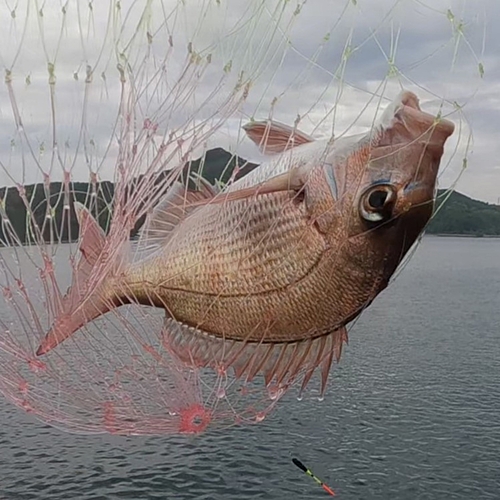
(293, 180)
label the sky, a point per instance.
(334, 64)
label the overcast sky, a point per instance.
(293, 52)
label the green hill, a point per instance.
(459, 215)
(57, 220)
(462, 215)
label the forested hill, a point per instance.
(459, 215)
(53, 219)
(462, 215)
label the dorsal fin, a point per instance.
(178, 203)
(273, 137)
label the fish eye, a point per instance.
(377, 198)
(377, 203)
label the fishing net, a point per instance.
(107, 103)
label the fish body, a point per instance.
(265, 275)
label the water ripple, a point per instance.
(412, 412)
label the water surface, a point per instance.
(413, 411)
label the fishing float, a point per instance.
(303, 468)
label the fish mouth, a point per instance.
(407, 148)
(416, 140)
(404, 98)
(404, 122)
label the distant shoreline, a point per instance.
(135, 238)
(471, 218)
(462, 235)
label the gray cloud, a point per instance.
(295, 58)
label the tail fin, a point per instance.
(88, 297)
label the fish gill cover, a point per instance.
(113, 116)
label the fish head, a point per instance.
(390, 176)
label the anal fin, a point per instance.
(281, 363)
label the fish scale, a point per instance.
(265, 275)
(263, 259)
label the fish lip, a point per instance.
(409, 122)
(404, 99)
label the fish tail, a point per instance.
(91, 292)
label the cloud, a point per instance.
(332, 64)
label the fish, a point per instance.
(264, 275)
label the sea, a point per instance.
(412, 412)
